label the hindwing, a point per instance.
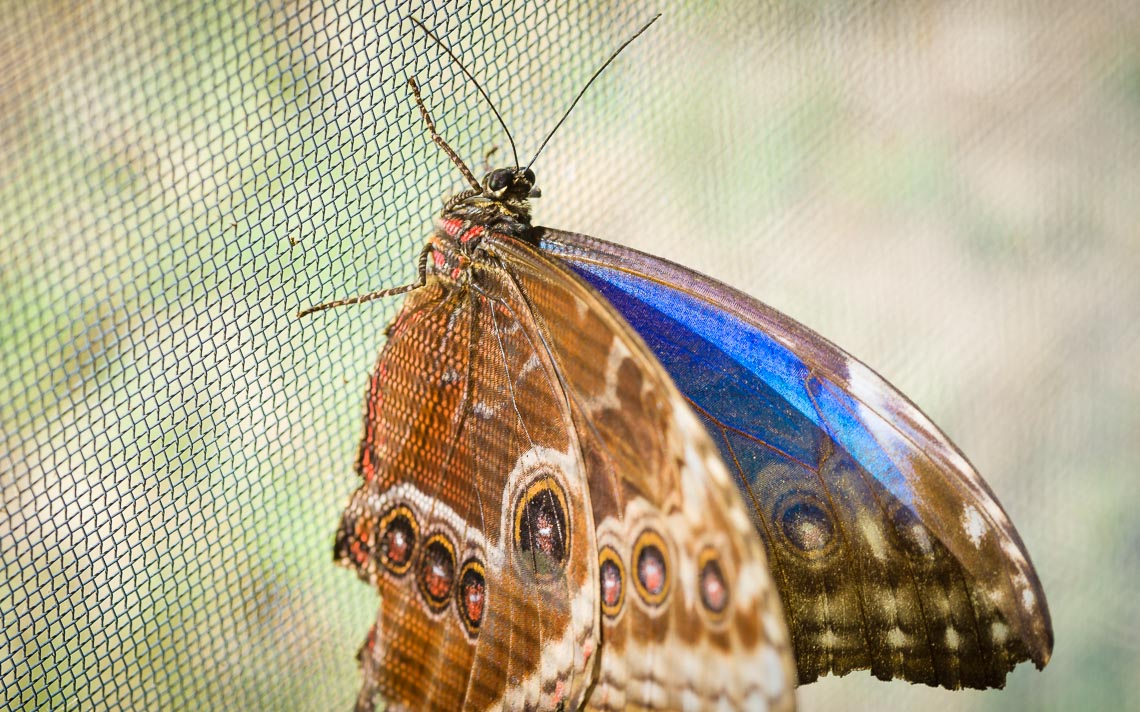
(889, 550)
(489, 600)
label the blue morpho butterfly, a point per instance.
(550, 527)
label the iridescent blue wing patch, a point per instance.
(890, 551)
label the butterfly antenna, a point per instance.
(591, 81)
(474, 81)
(439, 139)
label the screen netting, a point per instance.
(946, 190)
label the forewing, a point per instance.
(889, 550)
(690, 618)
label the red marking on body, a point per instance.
(438, 258)
(452, 227)
(472, 233)
(559, 691)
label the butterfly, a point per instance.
(594, 479)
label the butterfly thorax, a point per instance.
(472, 219)
(501, 205)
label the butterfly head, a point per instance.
(510, 184)
(501, 204)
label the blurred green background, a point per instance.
(948, 191)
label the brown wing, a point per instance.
(472, 521)
(690, 616)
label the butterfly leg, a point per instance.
(392, 291)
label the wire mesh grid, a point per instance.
(180, 178)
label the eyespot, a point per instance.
(651, 567)
(714, 590)
(807, 527)
(398, 535)
(471, 595)
(436, 573)
(542, 534)
(611, 575)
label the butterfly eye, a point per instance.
(612, 576)
(437, 571)
(528, 174)
(542, 536)
(714, 590)
(498, 180)
(471, 595)
(651, 567)
(398, 534)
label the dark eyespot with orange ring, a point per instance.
(397, 543)
(471, 595)
(611, 574)
(436, 571)
(651, 567)
(542, 531)
(714, 590)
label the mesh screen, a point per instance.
(948, 191)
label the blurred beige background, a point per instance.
(948, 191)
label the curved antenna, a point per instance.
(467, 174)
(474, 81)
(591, 81)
